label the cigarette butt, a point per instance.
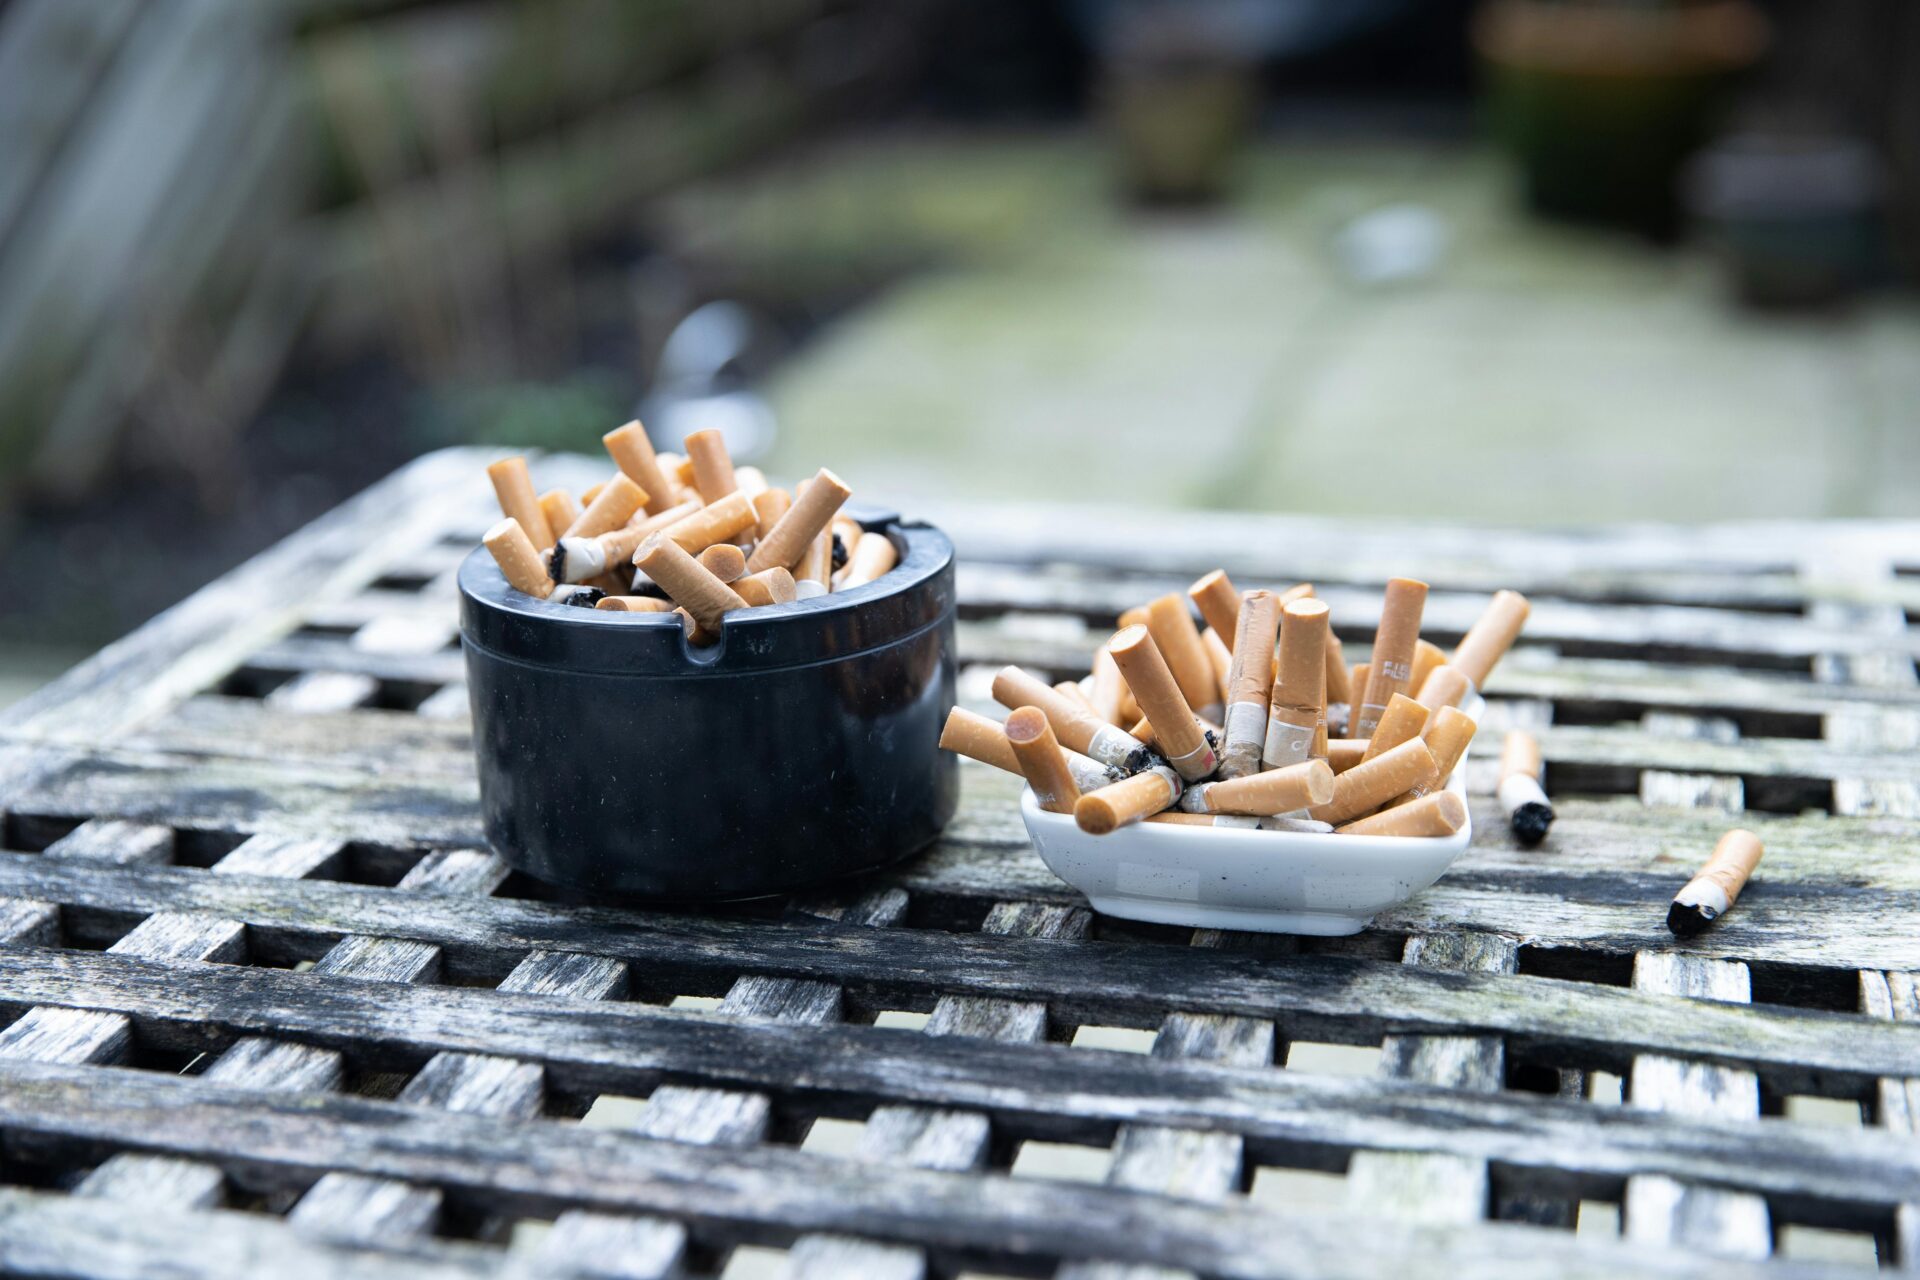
(1403, 719)
(1221, 659)
(1041, 760)
(1111, 807)
(1134, 617)
(519, 562)
(1176, 733)
(769, 586)
(1264, 795)
(978, 738)
(514, 489)
(1179, 643)
(1426, 656)
(1440, 814)
(1143, 730)
(578, 559)
(1447, 735)
(724, 561)
(611, 508)
(1250, 683)
(1297, 712)
(721, 521)
(634, 604)
(768, 507)
(558, 508)
(1344, 753)
(816, 564)
(1339, 687)
(1491, 635)
(633, 453)
(587, 495)
(811, 512)
(705, 598)
(713, 475)
(1075, 726)
(1109, 689)
(1529, 812)
(1356, 684)
(683, 472)
(873, 555)
(1390, 667)
(1372, 783)
(750, 481)
(1217, 601)
(1298, 591)
(1444, 687)
(1712, 893)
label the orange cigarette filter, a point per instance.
(1372, 783)
(978, 738)
(1178, 641)
(1356, 686)
(1297, 714)
(519, 562)
(1519, 754)
(1130, 800)
(1298, 591)
(1488, 640)
(768, 507)
(1712, 893)
(705, 598)
(611, 508)
(1041, 760)
(683, 471)
(1263, 795)
(1440, 814)
(1344, 753)
(1221, 659)
(724, 561)
(1426, 656)
(633, 453)
(1447, 735)
(872, 556)
(769, 586)
(1339, 683)
(1110, 689)
(1134, 617)
(1218, 602)
(1445, 687)
(633, 604)
(1250, 683)
(811, 512)
(587, 495)
(1075, 726)
(558, 508)
(514, 488)
(1177, 734)
(816, 564)
(1404, 719)
(721, 521)
(712, 467)
(1390, 667)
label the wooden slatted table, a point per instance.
(271, 1004)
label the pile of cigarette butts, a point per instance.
(694, 535)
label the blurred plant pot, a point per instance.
(1796, 219)
(1178, 98)
(1601, 101)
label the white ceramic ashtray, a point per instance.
(1231, 878)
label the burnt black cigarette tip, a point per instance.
(1530, 823)
(840, 553)
(557, 562)
(1689, 921)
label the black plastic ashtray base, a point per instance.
(616, 761)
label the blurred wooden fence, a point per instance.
(189, 186)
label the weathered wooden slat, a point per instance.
(1896, 996)
(520, 1169)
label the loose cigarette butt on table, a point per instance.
(1297, 714)
(519, 561)
(713, 475)
(1177, 735)
(1390, 666)
(810, 514)
(558, 508)
(1447, 735)
(1372, 783)
(724, 561)
(768, 507)
(1178, 640)
(1440, 814)
(1218, 602)
(1444, 687)
(769, 586)
(1075, 726)
(705, 598)
(514, 488)
(1264, 795)
(873, 555)
(1041, 760)
(633, 453)
(1250, 683)
(611, 508)
(1344, 753)
(1529, 812)
(1110, 691)
(1426, 656)
(1403, 719)
(634, 604)
(1491, 635)
(1148, 792)
(1221, 658)
(1712, 893)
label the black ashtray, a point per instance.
(617, 759)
